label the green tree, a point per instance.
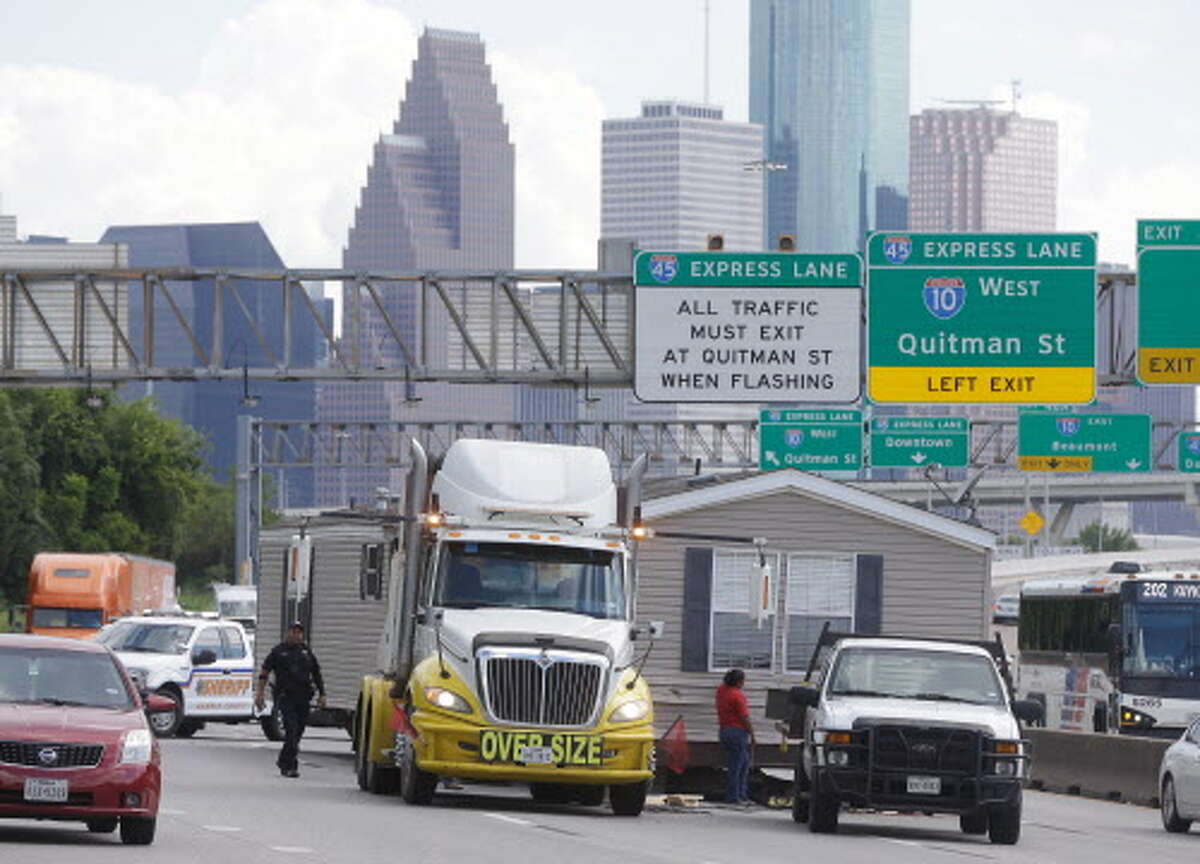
(22, 529)
(1098, 537)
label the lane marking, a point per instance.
(511, 819)
(221, 829)
(298, 850)
(167, 811)
(899, 841)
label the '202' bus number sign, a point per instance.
(1161, 591)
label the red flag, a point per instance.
(675, 746)
(401, 724)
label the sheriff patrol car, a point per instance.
(205, 665)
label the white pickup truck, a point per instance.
(915, 725)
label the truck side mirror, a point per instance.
(809, 697)
(1029, 710)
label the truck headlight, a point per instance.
(838, 758)
(136, 747)
(1004, 768)
(447, 699)
(628, 712)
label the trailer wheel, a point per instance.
(272, 723)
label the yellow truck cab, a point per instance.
(510, 650)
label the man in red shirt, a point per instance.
(736, 735)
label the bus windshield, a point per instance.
(1162, 640)
(532, 576)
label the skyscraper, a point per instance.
(982, 170)
(212, 407)
(829, 82)
(678, 173)
(439, 196)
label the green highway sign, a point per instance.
(812, 440)
(1167, 232)
(981, 318)
(747, 327)
(1189, 452)
(1168, 301)
(913, 442)
(1058, 441)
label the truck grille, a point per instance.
(545, 689)
(37, 754)
(916, 748)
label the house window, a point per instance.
(735, 639)
(820, 588)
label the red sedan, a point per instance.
(74, 741)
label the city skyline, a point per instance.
(195, 109)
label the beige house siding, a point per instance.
(932, 586)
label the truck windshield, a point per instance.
(1162, 640)
(237, 608)
(148, 638)
(39, 676)
(84, 619)
(904, 673)
(529, 576)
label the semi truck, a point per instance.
(75, 593)
(509, 649)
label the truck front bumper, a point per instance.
(451, 748)
(889, 790)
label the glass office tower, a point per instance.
(829, 82)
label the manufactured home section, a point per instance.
(836, 553)
(345, 620)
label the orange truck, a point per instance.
(77, 593)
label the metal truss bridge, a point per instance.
(565, 327)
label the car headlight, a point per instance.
(628, 712)
(448, 699)
(136, 747)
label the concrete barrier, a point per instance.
(1115, 767)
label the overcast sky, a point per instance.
(138, 111)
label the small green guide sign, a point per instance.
(1168, 302)
(913, 442)
(1189, 452)
(1058, 441)
(811, 440)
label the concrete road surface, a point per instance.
(225, 802)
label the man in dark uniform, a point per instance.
(297, 672)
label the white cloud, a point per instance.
(1094, 45)
(279, 127)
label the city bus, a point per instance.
(1115, 652)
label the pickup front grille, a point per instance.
(916, 748)
(544, 689)
(37, 754)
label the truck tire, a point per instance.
(1170, 813)
(800, 787)
(627, 799)
(272, 724)
(975, 822)
(416, 786)
(166, 723)
(823, 807)
(1004, 822)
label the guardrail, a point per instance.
(1113, 767)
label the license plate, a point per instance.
(924, 785)
(42, 789)
(536, 755)
(540, 748)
